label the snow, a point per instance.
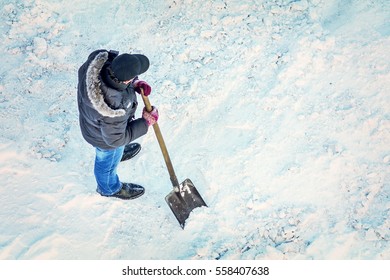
(278, 111)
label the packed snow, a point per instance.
(278, 111)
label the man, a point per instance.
(107, 103)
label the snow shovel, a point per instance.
(184, 197)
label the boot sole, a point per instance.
(128, 198)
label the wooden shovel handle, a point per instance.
(161, 142)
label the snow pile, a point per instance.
(278, 111)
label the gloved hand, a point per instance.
(138, 84)
(150, 117)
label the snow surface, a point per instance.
(278, 111)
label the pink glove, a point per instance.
(138, 84)
(150, 117)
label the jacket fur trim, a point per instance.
(94, 88)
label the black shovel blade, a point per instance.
(183, 200)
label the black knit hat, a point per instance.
(127, 66)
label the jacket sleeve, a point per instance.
(117, 132)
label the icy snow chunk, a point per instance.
(207, 34)
(299, 5)
(214, 20)
(183, 79)
(9, 9)
(40, 47)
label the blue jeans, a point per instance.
(106, 163)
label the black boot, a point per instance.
(129, 191)
(131, 150)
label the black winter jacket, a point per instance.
(106, 108)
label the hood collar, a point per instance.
(94, 89)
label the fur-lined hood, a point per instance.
(94, 87)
